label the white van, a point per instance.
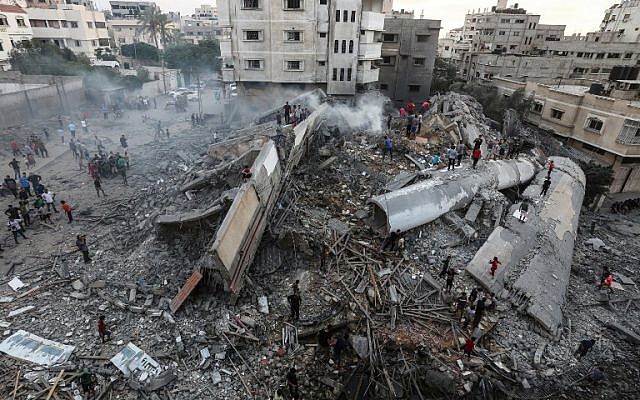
(110, 64)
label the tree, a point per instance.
(37, 58)
(444, 75)
(140, 51)
(192, 59)
(143, 74)
(599, 179)
(150, 22)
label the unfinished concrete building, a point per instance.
(409, 48)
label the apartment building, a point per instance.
(409, 49)
(623, 19)
(129, 9)
(195, 30)
(607, 128)
(206, 11)
(14, 30)
(123, 23)
(72, 26)
(333, 45)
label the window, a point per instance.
(252, 35)
(335, 74)
(1, 48)
(341, 74)
(335, 46)
(294, 65)
(349, 74)
(388, 37)
(20, 22)
(520, 21)
(388, 60)
(501, 33)
(337, 15)
(253, 64)
(323, 2)
(250, 4)
(446, 47)
(595, 70)
(322, 63)
(422, 38)
(580, 54)
(120, 40)
(89, 24)
(384, 86)
(599, 56)
(38, 23)
(516, 33)
(103, 42)
(626, 18)
(78, 44)
(414, 88)
(613, 55)
(3, 21)
(323, 34)
(344, 46)
(100, 25)
(63, 24)
(630, 133)
(292, 4)
(505, 21)
(537, 107)
(594, 124)
(418, 61)
(513, 46)
(353, 18)
(350, 46)
(628, 55)
(293, 36)
(556, 114)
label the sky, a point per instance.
(580, 16)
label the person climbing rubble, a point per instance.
(461, 304)
(524, 210)
(479, 312)
(16, 228)
(103, 332)
(445, 266)
(585, 346)
(81, 244)
(494, 266)
(88, 383)
(545, 186)
(294, 303)
(246, 173)
(469, 347)
(451, 273)
(552, 166)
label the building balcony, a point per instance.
(372, 21)
(367, 75)
(228, 75)
(225, 48)
(369, 51)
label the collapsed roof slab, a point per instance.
(426, 201)
(546, 274)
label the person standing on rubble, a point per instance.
(287, 113)
(409, 125)
(469, 346)
(67, 210)
(278, 118)
(389, 119)
(403, 112)
(103, 332)
(411, 107)
(25, 183)
(11, 185)
(16, 228)
(453, 156)
(552, 166)
(473, 295)
(292, 384)
(121, 165)
(338, 343)
(15, 165)
(461, 304)
(97, 183)
(545, 186)
(387, 147)
(81, 244)
(479, 312)
(451, 273)
(494, 266)
(524, 210)
(462, 149)
(246, 173)
(294, 303)
(445, 266)
(477, 153)
(123, 142)
(88, 383)
(477, 142)
(584, 347)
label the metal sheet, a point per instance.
(29, 347)
(131, 358)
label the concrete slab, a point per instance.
(29, 347)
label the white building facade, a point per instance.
(70, 26)
(14, 30)
(304, 42)
(623, 19)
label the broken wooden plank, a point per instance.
(185, 291)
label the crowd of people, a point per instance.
(293, 115)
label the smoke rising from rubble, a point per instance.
(366, 114)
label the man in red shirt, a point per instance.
(551, 167)
(494, 265)
(411, 107)
(104, 333)
(67, 210)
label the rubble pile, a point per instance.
(404, 337)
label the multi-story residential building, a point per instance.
(206, 11)
(129, 9)
(331, 44)
(623, 19)
(607, 128)
(445, 48)
(194, 29)
(75, 27)
(409, 48)
(14, 29)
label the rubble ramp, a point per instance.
(546, 273)
(426, 201)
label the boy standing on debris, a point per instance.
(545, 186)
(477, 153)
(67, 210)
(47, 196)
(494, 266)
(81, 243)
(453, 155)
(88, 383)
(477, 142)
(451, 273)
(445, 266)
(552, 166)
(104, 333)
(294, 302)
(388, 148)
(338, 343)
(16, 228)
(461, 304)
(480, 306)
(524, 210)
(98, 185)
(287, 112)
(461, 152)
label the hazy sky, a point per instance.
(579, 15)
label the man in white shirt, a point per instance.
(48, 199)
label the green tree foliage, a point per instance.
(143, 74)
(599, 178)
(37, 58)
(140, 51)
(192, 59)
(444, 75)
